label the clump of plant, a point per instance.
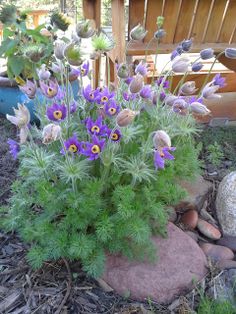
(215, 154)
(97, 176)
(211, 306)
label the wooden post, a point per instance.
(92, 11)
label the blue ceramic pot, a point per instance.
(11, 95)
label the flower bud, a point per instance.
(160, 33)
(170, 99)
(186, 45)
(136, 84)
(188, 88)
(125, 117)
(51, 133)
(161, 139)
(209, 90)
(197, 66)
(180, 106)
(123, 71)
(138, 32)
(207, 53)
(73, 54)
(199, 108)
(180, 64)
(43, 73)
(230, 53)
(174, 54)
(85, 29)
(160, 21)
(59, 47)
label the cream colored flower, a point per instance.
(21, 120)
(51, 133)
(161, 139)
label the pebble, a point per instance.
(226, 264)
(190, 219)
(217, 252)
(229, 241)
(193, 235)
(208, 230)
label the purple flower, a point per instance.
(60, 94)
(141, 68)
(159, 157)
(180, 106)
(162, 96)
(115, 136)
(128, 96)
(92, 150)
(73, 107)
(159, 82)
(49, 90)
(186, 45)
(29, 88)
(197, 66)
(219, 80)
(195, 99)
(96, 127)
(103, 95)
(14, 148)
(83, 70)
(56, 112)
(146, 92)
(129, 80)
(72, 145)
(174, 54)
(111, 108)
(207, 53)
(89, 94)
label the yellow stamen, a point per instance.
(95, 129)
(57, 114)
(95, 149)
(51, 92)
(104, 99)
(82, 72)
(115, 137)
(91, 95)
(73, 148)
(112, 110)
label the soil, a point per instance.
(61, 287)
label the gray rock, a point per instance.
(226, 204)
(180, 262)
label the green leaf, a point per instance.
(7, 44)
(16, 64)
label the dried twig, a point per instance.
(58, 311)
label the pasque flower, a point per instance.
(73, 54)
(125, 117)
(207, 53)
(160, 157)
(96, 127)
(198, 108)
(180, 64)
(180, 106)
(14, 148)
(141, 68)
(162, 82)
(59, 47)
(188, 88)
(146, 92)
(111, 108)
(103, 95)
(49, 89)
(93, 150)
(209, 90)
(21, 120)
(123, 71)
(72, 145)
(114, 135)
(197, 66)
(230, 53)
(160, 33)
(56, 112)
(51, 133)
(138, 32)
(85, 29)
(161, 139)
(186, 45)
(136, 84)
(170, 99)
(89, 93)
(29, 88)
(43, 73)
(219, 80)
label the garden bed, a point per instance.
(65, 287)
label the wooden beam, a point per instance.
(92, 11)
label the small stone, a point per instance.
(226, 204)
(228, 241)
(217, 252)
(180, 262)
(193, 235)
(208, 230)
(190, 219)
(198, 191)
(226, 264)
